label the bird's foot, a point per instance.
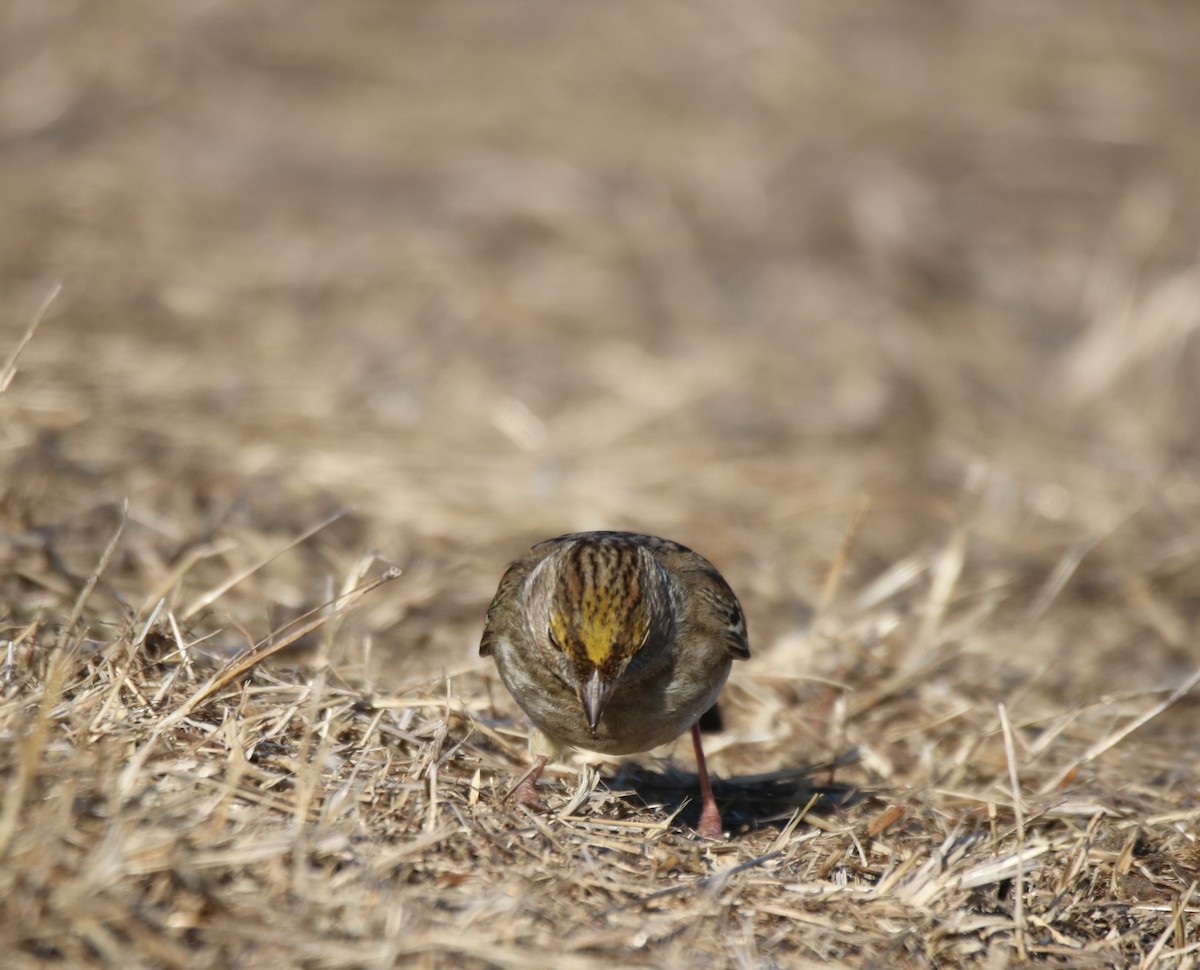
(525, 794)
(710, 825)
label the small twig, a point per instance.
(716, 881)
(9, 660)
(245, 662)
(837, 568)
(1010, 753)
(1057, 581)
(9, 371)
(1172, 926)
(276, 641)
(93, 579)
(149, 622)
(946, 573)
(1118, 736)
(31, 748)
(217, 591)
(798, 816)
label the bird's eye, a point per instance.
(735, 619)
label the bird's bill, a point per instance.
(593, 693)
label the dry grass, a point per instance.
(896, 317)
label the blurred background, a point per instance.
(759, 277)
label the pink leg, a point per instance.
(710, 816)
(525, 792)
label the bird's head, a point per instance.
(609, 606)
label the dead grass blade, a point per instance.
(1010, 754)
(1116, 737)
(278, 640)
(9, 370)
(88, 587)
(210, 596)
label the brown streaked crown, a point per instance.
(603, 609)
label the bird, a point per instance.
(614, 642)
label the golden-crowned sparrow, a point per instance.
(614, 642)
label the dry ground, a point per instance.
(892, 310)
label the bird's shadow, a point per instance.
(748, 802)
